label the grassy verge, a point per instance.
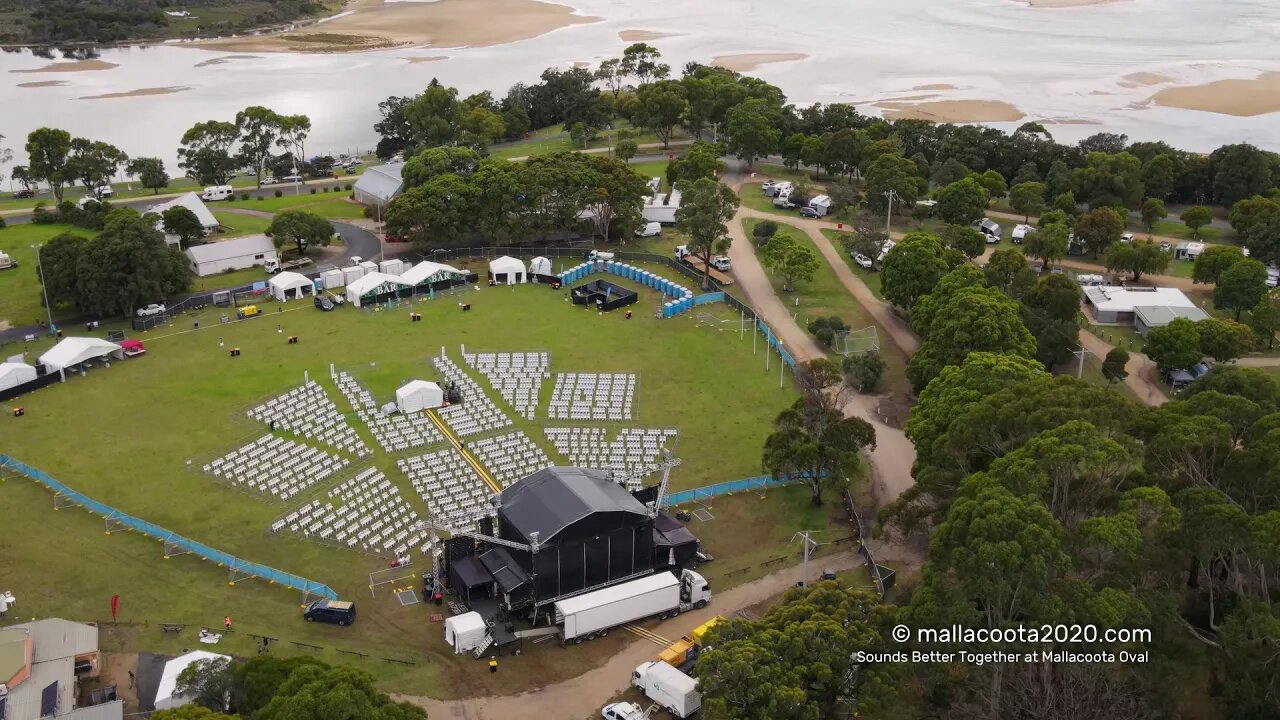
(555, 139)
(1123, 336)
(236, 224)
(185, 400)
(330, 205)
(825, 296)
(20, 297)
(868, 277)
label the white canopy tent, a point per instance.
(540, 266)
(372, 285)
(76, 350)
(465, 632)
(507, 269)
(419, 395)
(13, 374)
(290, 286)
(167, 695)
(427, 273)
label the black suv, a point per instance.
(323, 303)
(23, 194)
(338, 612)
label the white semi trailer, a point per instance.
(594, 614)
(676, 692)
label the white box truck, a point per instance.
(661, 595)
(676, 692)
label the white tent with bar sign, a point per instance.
(430, 273)
(373, 285)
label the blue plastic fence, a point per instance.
(708, 298)
(237, 567)
(776, 342)
(684, 301)
(725, 488)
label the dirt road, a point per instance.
(1143, 374)
(584, 695)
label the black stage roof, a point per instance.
(505, 570)
(550, 500)
(470, 573)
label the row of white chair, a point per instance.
(509, 457)
(476, 413)
(307, 410)
(276, 466)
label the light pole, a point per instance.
(888, 220)
(43, 288)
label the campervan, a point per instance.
(1020, 233)
(217, 192)
(990, 228)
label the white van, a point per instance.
(650, 229)
(1020, 233)
(218, 192)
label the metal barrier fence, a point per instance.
(760, 482)
(872, 568)
(174, 544)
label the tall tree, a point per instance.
(975, 319)
(314, 691)
(258, 129)
(1153, 211)
(207, 683)
(798, 661)
(962, 202)
(150, 172)
(1175, 346)
(1264, 318)
(702, 160)
(1214, 261)
(1049, 243)
(612, 75)
(293, 131)
(706, 207)
(912, 268)
(1224, 340)
(22, 174)
(965, 239)
(1247, 213)
(1241, 286)
(753, 131)
(659, 107)
(813, 440)
(1240, 171)
(47, 150)
(1099, 228)
(440, 160)
(394, 130)
(127, 266)
(789, 260)
(1159, 176)
(1195, 218)
(205, 153)
(1137, 258)
(436, 213)
(302, 228)
(615, 196)
(180, 221)
(1114, 365)
(1027, 198)
(1111, 180)
(641, 60)
(891, 173)
(94, 163)
(1008, 272)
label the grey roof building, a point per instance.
(379, 185)
(41, 664)
(1148, 317)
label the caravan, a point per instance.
(217, 192)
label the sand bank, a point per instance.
(43, 83)
(225, 59)
(936, 86)
(951, 111)
(1144, 79)
(750, 61)
(74, 66)
(633, 36)
(374, 24)
(141, 92)
(1241, 98)
(1052, 4)
(425, 59)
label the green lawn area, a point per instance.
(20, 286)
(237, 224)
(1177, 268)
(870, 277)
(825, 296)
(782, 172)
(136, 425)
(1119, 335)
(553, 139)
(652, 169)
(331, 205)
(229, 279)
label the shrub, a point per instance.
(827, 329)
(264, 197)
(313, 191)
(764, 230)
(347, 186)
(244, 196)
(2, 223)
(42, 216)
(279, 193)
(863, 370)
(368, 212)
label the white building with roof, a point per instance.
(192, 202)
(167, 695)
(1116, 305)
(235, 254)
(1149, 317)
(379, 185)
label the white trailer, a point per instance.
(391, 267)
(676, 692)
(330, 279)
(661, 208)
(662, 595)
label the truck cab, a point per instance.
(694, 589)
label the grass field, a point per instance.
(326, 204)
(237, 224)
(135, 426)
(553, 139)
(825, 296)
(870, 278)
(20, 286)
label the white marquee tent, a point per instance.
(507, 269)
(465, 632)
(75, 350)
(287, 286)
(167, 695)
(13, 374)
(427, 272)
(418, 395)
(540, 266)
(372, 285)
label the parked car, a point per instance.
(863, 261)
(269, 180)
(338, 612)
(23, 194)
(104, 191)
(152, 309)
(767, 187)
(809, 211)
(291, 178)
(1126, 238)
(1165, 246)
(650, 229)
(989, 228)
(323, 303)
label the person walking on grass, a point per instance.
(226, 623)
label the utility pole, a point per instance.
(809, 545)
(1080, 354)
(44, 289)
(888, 220)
